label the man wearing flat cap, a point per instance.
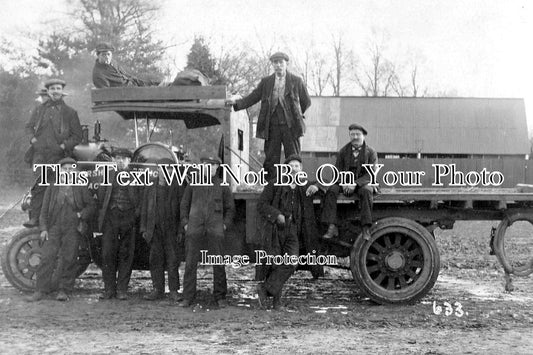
(64, 209)
(288, 227)
(118, 212)
(206, 212)
(351, 158)
(109, 74)
(284, 100)
(55, 130)
(160, 222)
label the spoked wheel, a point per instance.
(399, 264)
(21, 258)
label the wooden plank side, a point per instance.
(158, 106)
(427, 195)
(159, 93)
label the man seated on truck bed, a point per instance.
(351, 157)
(108, 74)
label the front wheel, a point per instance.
(399, 264)
(21, 258)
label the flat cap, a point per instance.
(67, 160)
(104, 47)
(279, 55)
(210, 160)
(292, 158)
(359, 127)
(122, 152)
(54, 81)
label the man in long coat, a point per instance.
(119, 209)
(55, 130)
(284, 100)
(160, 224)
(290, 220)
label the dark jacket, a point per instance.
(112, 75)
(269, 207)
(83, 201)
(103, 194)
(69, 132)
(203, 205)
(346, 161)
(171, 205)
(296, 97)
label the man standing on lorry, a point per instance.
(284, 100)
(119, 209)
(55, 130)
(351, 158)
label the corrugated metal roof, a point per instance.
(425, 125)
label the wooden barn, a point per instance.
(411, 134)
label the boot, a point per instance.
(276, 303)
(154, 295)
(108, 294)
(122, 295)
(37, 296)
(185, 303)
(222, 303)
(32, 222)
(62, 296)
(261, 294)
(366, 233)
(332, 232)
(175, 296)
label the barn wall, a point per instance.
(493, 126)
(514, 169)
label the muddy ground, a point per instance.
(325, 316)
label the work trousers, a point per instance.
(277, 275)
(60, 254)
(329, 209)
(118, 247)
(164, 251)
(279, 134)
(194, 240)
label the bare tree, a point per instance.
(316, 70)
(379, 77)
(408, 79)
(124, 23)
(338, 58)
(240, 66)
(343, 66)
(336, 77)
(321, 75)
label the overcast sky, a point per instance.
(479, 48)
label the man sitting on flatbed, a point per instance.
(351, 157)
(108, 74)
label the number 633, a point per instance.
(448, 309)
